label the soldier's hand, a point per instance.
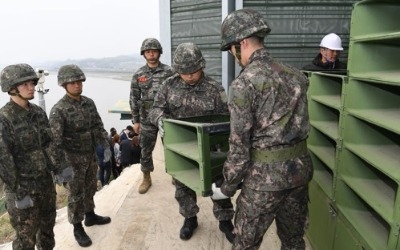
(217, 194)
(136, 127)
(24, 203)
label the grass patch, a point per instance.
(2, 205)
(6, 231)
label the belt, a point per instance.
(278, 155)
(33, 176)
(147, 104)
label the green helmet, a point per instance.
(241, 24)
(13, 75)
(70, 73)
(188, 59)
(150, 43)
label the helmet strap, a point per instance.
(238, 53)
(18, 94)
(23, 98)
(13, 94)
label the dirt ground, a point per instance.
(149, 221)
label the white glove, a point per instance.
(160, 124)
(24, 203)
(107, 155)
(217, 194)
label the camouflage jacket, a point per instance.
(25, 155)
(268, 109)
(77, 126)
(145, 84)
(176, 99)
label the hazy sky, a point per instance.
(45, 30)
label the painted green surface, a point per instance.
(195, 149)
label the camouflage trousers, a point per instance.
(187, 200)
(34, 226)
(256, 210)
(148, 139)
(83, 186)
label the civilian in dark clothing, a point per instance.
(328, 57)
(114, 169)
(104, 166)
(130, 153)
(124, 133)
(113, 132)
(117, 153)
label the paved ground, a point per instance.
(150, 221)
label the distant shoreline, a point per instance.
(117, 75)
(125, 76)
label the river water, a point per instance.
(103, 89)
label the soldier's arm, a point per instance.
(134, 98)
(100, 133)
(241, 123)
(8, 171)
(159, 105)
(54, 156)
(56, 149)
(222, 105)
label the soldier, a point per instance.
(191, 93)
(328, 56)
(26, 161)
(77, 128)
(267, 142)
(145, 83)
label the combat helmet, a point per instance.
(241, 24)
(70, 73)
(150, 43)
(13, 75)
(188, 59)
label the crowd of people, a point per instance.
(125, 151)
(267, 153)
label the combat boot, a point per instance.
(146, 183)
(226, 227)
(93, 219)
(80, 236)
(188, 228)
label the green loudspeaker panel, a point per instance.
(195, 150)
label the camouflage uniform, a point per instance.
(145, 84)
(26, 162)
(177, 99)
(77, 128)
(267, 149)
